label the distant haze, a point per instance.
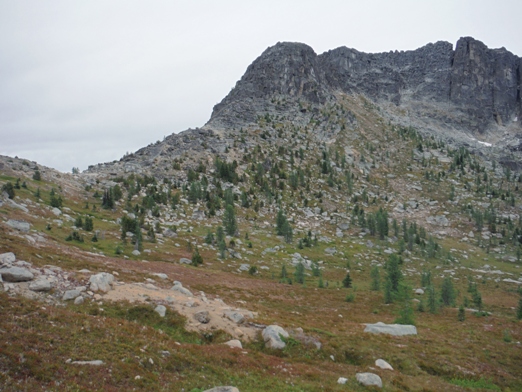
(85, 82)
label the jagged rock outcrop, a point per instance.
(478, 85)
(458, 94)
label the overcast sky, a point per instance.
(84, 82)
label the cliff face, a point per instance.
(478, 85)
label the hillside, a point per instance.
(326, 192)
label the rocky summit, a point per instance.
(343, 221)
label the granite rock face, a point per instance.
(478, 86)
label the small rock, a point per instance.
(203, 317)
(234, 343)
(419, 291)
(369, 379)
(161, 310)
(342, 380)
(136, 252)
(383, 364)
(161, 276)
(78, 300)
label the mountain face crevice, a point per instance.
(479, 87)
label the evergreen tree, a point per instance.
(288, 233)
(519, 309)
(108, 199)
(376, 279)
(394, 274)
(284, 274)
(462, 313)
(299, 275)
(229, 220)
(37, 176)
(280, 222)
(406, 314)
(388, 295)
(196, 258)
(138, 239)
(209, 238)
(88, 224)
(9, 189)
(347, 281)
(447, 292)
(432, 300)
(426, 279)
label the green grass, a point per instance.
(481, 383)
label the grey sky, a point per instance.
(83, 82)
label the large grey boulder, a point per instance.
(272, 336)
(222, 389)
(70, 294)
(369, 379)
(19, 225)
(101, 282)
(40, 284)
(7, 258)
(184, 260)
(391, 329)
(16, 274)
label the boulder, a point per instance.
(161, 275)
(391, 329)
(169, 233)
(79, 300)
(40, 284)
(179, 287)
(222, 389)
(161, 310)
(383, 364)
(136, 252)
(19, 225)
(234, 343)
(203, 317)
(16, 274)
(93, 363)
(184, 260)
(342, 380)
(235, 316)
(369, 379)
(272, 337)
(101, 282)
(7, 258)
(70, 294)
(419, 291)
